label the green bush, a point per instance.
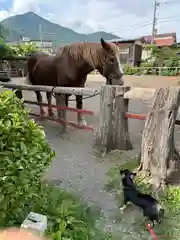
(170, 200)
(24, 155)
(172, 64)
(128, 70)
(68, 217)
(147, 64)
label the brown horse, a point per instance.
(70, 66)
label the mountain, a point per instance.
(29, 24)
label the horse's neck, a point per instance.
(93, 61)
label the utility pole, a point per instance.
(156, 4)
(40, 32)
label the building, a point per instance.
(161, 40)
(131, 50)
(44, 45)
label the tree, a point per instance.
(5, 50)
(161, 55)
(24, 49)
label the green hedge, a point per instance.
(24, 155)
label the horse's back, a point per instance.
(41, 69)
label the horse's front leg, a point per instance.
(66, 99)
(79, 105)
(39, 100)
(50, 110)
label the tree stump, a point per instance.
(158, 154)
(121, 139)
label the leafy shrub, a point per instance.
(172, 62)
(68, 217)
(146, 64)
(172, 65)
(128, 70)
(24, 155)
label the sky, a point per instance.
(125, 18)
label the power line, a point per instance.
(145, 24)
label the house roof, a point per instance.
(164, 42)
(148, 38)
(165, 39)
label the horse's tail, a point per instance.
(32, 61)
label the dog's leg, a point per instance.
(125, 204)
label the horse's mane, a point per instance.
(91, 51)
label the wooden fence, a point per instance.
(60, 101)
(158, 154)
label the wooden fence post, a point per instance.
(121, 139)
(104, 133)
(158, 154)
(60, 101)
(113, 126)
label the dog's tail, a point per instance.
(160, 213)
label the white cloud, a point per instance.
(3, 14)
(122, 17)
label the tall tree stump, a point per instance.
(121, 139)
(113, 126)
(158, 154)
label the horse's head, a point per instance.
(112, 69)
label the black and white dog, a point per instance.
(150, 206)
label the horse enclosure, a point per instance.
(158, 154)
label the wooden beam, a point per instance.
(62, 90)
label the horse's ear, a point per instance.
(105, 45)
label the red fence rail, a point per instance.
(60, 121)
(142, 117)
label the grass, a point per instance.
(132, 220)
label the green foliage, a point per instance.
(68, 217)
(24, 49)
(146, 65)
(128, 70)
(24, 155)
(169, 199)
(5, 50)
(172, 65)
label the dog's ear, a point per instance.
(122, 173)
(133, 175)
